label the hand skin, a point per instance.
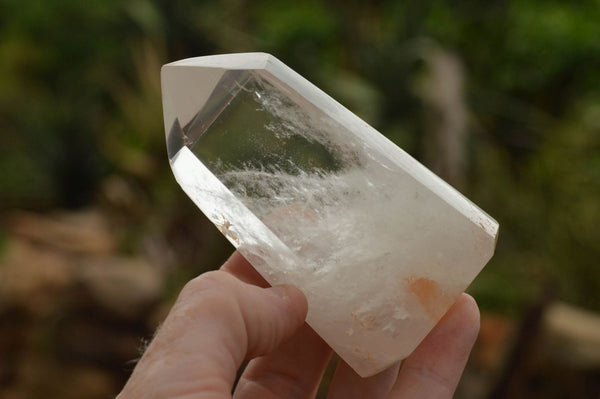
(225, 317)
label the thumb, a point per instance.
(216, 323)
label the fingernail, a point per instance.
(280, 291)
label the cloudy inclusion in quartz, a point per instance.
(313, 204)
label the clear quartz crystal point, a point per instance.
(313, 196)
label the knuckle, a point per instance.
(210, 281)
(211, 290)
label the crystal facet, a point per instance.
(313, 196)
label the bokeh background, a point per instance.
(501, 98)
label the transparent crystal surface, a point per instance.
(313, 196)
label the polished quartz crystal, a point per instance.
(313, 196)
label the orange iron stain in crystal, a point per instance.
(433, 299)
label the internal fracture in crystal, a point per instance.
(313, 196)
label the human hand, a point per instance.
(224, 317)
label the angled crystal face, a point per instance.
(313, 196)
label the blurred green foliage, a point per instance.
(80, 101)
